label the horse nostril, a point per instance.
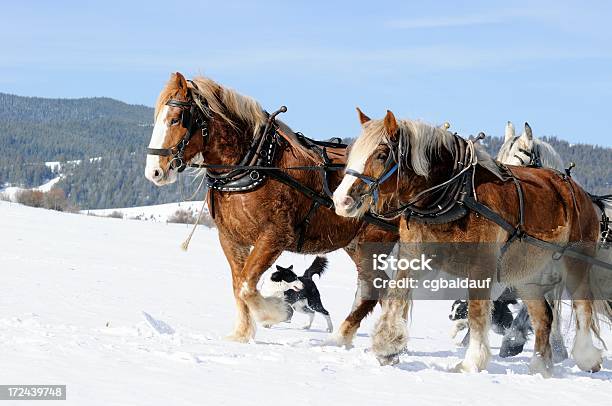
(157, 173)
(347, 201)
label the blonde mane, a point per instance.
(424, 141)
(222, 101)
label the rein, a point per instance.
(461, 195)
(256, 165)
(443, 204)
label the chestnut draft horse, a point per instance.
(446, 190)
(258, 215)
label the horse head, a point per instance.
(178, 132)
(392, 161)
(371, 169)
(519, 150)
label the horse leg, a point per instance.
(587, 356)
(478, 353)
(236, 255)
(390, 334)
(360, 309)
(364, 302)
(557, 344)
(541, 319)
(266, 310)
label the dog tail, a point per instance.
(318, 267)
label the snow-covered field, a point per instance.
(159, 212)
(74, 291)
(10, 192)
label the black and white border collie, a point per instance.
(501, 317)
(300, 291)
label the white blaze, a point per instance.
(356, 163)
(157, 141)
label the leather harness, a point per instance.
(454, 198)
(258, 163)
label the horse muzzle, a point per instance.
(156, 174)
(347, 206)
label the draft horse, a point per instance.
(442, 192)
(259, 208)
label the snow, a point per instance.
(10, 192)
(56, 166)
(117, 312)
(159, 212)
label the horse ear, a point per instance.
(528, 132)
(290, 267)
(279, 268)
(390, 124)
(180, 81)
(362, 117)
(509, 131)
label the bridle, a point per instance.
(456, 187)
(534, 155)
(391, 166)
(193, 118)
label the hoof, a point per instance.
(510, 350)
(464, 367)
(540, 365)
(238, 338)
(392, 359)
(269, 311)
(593, 366)
(559, 354)
(338, 341)
(588, 359)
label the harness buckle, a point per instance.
(254, 175)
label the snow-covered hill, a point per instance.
(10, 193)
(159, 212)
(74, 291)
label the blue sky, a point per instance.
(474, 64)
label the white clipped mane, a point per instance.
(423, 140)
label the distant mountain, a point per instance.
(36, 130)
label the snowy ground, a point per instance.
(159, 212)
(73, 290)
(10, 192)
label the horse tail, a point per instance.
(600, 308)
(318, 267)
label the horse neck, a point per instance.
(227, 144)
(411, 184)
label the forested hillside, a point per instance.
(593, 164)
(37, 130)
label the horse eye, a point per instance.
(381, 156)
(174, 121)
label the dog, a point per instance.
(301, 292)
(501, 318)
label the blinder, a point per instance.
(192, 119)
(391, 166)
(533, 155)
